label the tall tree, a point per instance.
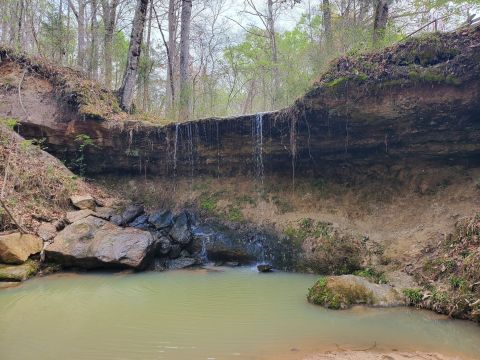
(327, 23)
(109, 15)
(134, 50)
(185, 91)
(80, 16)
(380, 21)
(171, 49)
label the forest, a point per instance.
(239, 179)
(177, 60)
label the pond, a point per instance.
(218, 313)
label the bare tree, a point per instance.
(134, 50)
(185, 91)
(80, 16)
(109, 14)
(327, 23)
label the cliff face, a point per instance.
(419, 100)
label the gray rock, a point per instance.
(161, 219)
(47, 231)
(184, 253)
(116, 219)
(180, 263)
(83, 202)
(104, 212)
(140, 222)
(94, 243)
(131, 213)
(181, 231)
(175, 251)
(163, 245)
(74, 216)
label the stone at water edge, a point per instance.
(344, 291)
(16, 273)
(83, 202)
(128, 215)
(16, 248)
(95, 243)
(180, 263)
(263, 268)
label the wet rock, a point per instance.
(104, 212)
(161, 219)
(342, 292)
(140, 222)
(74, 216)
(15, 248)
(232, 263)
(8, 284)
(15, 273)
(180, 263)
(47, 231)
(83, 202)
(181, 231)
(163, 245)
(263, 268)
(175, 251)
(93, 243)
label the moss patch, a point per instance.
(336, 293)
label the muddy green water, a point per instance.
(231, 314)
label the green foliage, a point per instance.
(79, 163)
(413, 296)
(458, 283)
(308, 228)
(372, 275)
(10, 123)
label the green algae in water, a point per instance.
(233, 314)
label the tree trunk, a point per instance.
(327, 24)
(380, 22)
(80, 16)
(185, 92)
(274, 55)
(171, 52)
(134, 50)
(146, 95)
(109, 20)
(93, 63)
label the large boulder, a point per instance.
(16, 248)
(181, 231)
(83, 202)
(94, 243)
(180, 263)
(342, 292)
(47, 231)
(15, 273)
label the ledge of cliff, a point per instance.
(418, 100)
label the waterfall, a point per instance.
(257, 141)
(175, 148)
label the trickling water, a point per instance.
(257, 141)
(175, 149)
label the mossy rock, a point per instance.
(15, 273)
(342, 292)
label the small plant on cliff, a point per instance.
(79, 162)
